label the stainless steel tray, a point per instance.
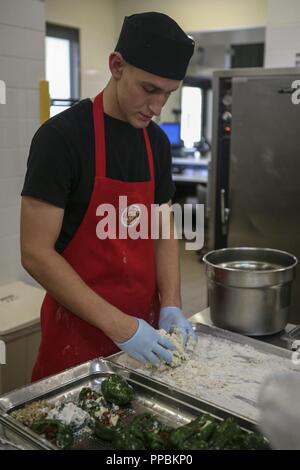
(259, 346)
(172, 406)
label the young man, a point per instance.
(107, 294)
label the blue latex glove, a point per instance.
(171, 317)
(147, 344)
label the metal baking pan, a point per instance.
(240, 404)
(172, 407)
(259, 345)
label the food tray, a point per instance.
(227, 373)
(173, 407)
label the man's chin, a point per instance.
(138, 123)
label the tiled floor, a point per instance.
(193, 282)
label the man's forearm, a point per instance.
(168, 270)
(58, 277)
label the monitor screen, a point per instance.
(172, 129)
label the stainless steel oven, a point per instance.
(254, 179)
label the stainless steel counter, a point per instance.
(281, 339)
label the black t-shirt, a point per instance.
(61, 163)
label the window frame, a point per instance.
(72, 35)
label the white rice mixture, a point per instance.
(222, 372)
(181, 353)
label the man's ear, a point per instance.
(116, 65)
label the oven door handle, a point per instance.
(225, 211)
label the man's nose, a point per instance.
(156, 104)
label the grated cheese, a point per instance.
(69, 414)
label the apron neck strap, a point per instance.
(100, 148)
(149, 154)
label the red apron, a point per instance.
(122, 271)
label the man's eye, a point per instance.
(149, 90)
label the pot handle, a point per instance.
(293, 338)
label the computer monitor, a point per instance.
(172, 129)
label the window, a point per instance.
(62, 66)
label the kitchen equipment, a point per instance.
(20, 305)
(254, 191)
(173, 407)
(250, 289)
(226, 370)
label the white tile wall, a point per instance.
(10, 189)
(10, 220)
(283, 57)
(20, 42)
(21, 73)
(282, 33)
(283, 12)
(284, 36)
(22, 25)
(23, 103)
(13, 162)
(10, 269)
(30, 15)
(14, 132)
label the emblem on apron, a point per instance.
(131, 215)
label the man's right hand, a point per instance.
(147, 345)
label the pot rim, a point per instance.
(248, 248)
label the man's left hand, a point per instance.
(173, 317)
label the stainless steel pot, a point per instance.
(249, 289)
